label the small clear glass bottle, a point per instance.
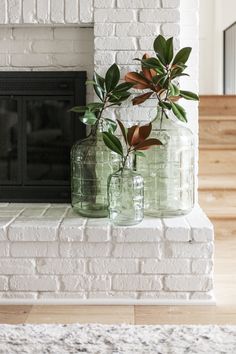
(91, 164)
(168, 170)
(126, 196)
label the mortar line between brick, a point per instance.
(21, 20)
(11, 221)
(46, 209)
(50, 11)
(191, 230)
(64, 11)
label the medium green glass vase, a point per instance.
(126, 196)
(91, 164)
(168, 170)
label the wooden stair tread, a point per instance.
(217, 180)
(212, 105)
(222, 117)
(217, 146)
(209, 182)
(223, 213)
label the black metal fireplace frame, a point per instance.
(69, 85)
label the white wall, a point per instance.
(189, 37)
(215, 17)
(206, 42)
(225, 16)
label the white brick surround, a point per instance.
(46, 12)
(48, 252)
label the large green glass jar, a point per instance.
(91, 164)
(168, 171)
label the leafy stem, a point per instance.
(136, 139)
(124, 159)
(110, 93)
(158, 78)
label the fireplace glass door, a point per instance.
(48, 140)
(37, 131)
(9, 141)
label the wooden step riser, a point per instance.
(218, 199)
(224, 228)
(215, 182)
(219, 162)
(217, 132)
(217, 105)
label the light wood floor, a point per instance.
(223, 313)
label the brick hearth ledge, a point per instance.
(51, 255)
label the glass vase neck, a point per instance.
(161, 119)
(166, 121)
(96, 128)
(128, 163)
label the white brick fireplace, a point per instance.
(49, 254)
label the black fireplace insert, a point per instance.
(37, 131)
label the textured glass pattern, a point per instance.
(168, 171)
(126, 197)
(91, 163)
(9, 165)
(49, 139)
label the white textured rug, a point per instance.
(124, 339)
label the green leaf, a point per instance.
(163, 80)
(125, 86)
(119, 97)
(169, 50)
(99, 86)
(112, 77)
(78, 109)
(89, 118)
(159, 47)
(123, 130)
(179, 112)
(165, 105)
(181, 66)
(110, 124)
(139, 153)
(178, 75)
(160, 79)
(152, 63)
(95, 106)
(112, 142)
(189, 95)
(174, 90)
(182, 56)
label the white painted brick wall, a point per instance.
(166, 266)
(163, 15)
(119, 26)
(188, 283)
(139, 4)
(89, 259)
(33, 283)
(45, 48)
(14, 11)
(46, 12)
(137, 283)
(47, 255)
(126, 29)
